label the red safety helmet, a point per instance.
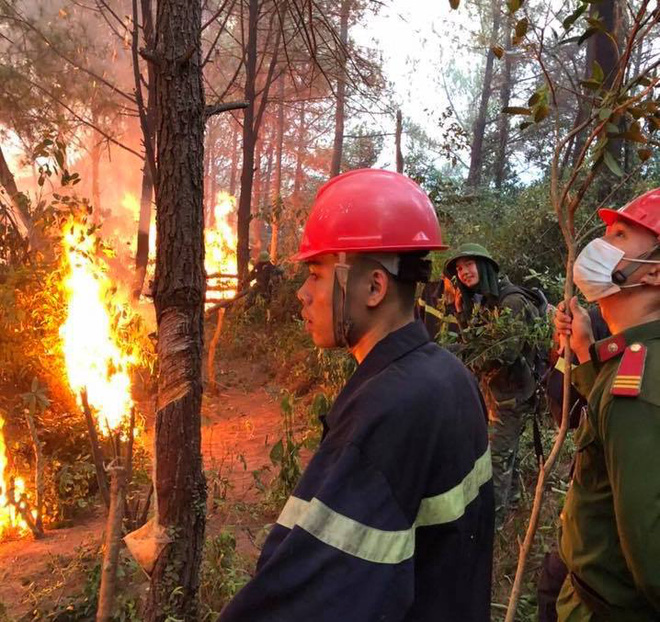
(643, 211)
(370, 211)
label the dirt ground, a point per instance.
(241, 422)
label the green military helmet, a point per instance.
(469, 249)
(264, 257)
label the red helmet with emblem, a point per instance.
(643, 211)
(370, 211)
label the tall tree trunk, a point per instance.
(147, 189)
(503, 119)
(249, 143)
(300, 156)
(628, 146)
(476, 153)
(397, 142)
(265, 197)
(179, 300)
(276, 203)
(257, 194)
(606, 54)
(338, 146)
(210, 178)
(603, 50)
(234, 161)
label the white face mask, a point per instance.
(594, 267)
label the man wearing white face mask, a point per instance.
(610, 537)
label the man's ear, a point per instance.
(652, 277)
(379, 284)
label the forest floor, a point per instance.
(241, 423)
(242, 420)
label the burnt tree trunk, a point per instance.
(477, 151)
(147, 190)
(503, 119)
(340, 113)
(179, 300)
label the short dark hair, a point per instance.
(412, 269)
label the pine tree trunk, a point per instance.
(234, 161)
(503, 119)
(257, 195)
(249, 144)
(210, 178)
(338, 146)
(178, 296)
(476, 153)
(300, 156)
(147, 190)
(276, 203)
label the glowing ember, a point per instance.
(94, 360)
(10, 518)
(220, 244)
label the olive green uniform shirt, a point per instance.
(610, 536)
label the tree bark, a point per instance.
(503, 119)
(179, 296)
(338, 146)
(97, 453)
(234, 162)
(147, 190)
(113, 530)
(38, 470)
(249, 143)
(397, 141)
(276, 203)
(476, 153)
(300, 156)
(211, 180)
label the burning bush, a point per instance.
(52, 299)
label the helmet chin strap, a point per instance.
(340, 323)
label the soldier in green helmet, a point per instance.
(509, 388)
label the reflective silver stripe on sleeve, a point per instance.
(450, 506)
(377, 545)
(293, 512)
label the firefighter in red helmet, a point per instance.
(393, 518)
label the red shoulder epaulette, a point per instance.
(628, 380)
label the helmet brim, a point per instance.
(610, 216)
(302, 256)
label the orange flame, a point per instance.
(94, 359)
(220, 245)
(10, 518)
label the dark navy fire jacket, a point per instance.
(392, 520)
